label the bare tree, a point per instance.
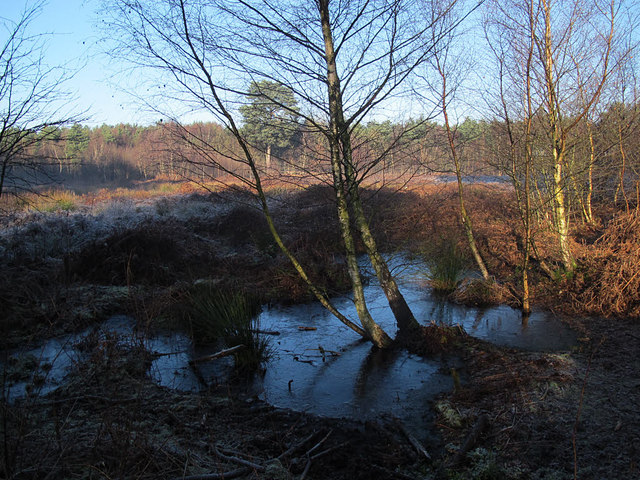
(558, 60)
(450, 67)
(180, 40)
(341, 60)
(515, 44)
(33, 104)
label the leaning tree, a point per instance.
(342, 61)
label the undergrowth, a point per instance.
(609, 277)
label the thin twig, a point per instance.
(306, 470)
(413, 440)
(291, 450)
(217, 476)
(317, 445)
(328, 450)
(310, 451)
(221, 353)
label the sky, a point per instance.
(74, 42)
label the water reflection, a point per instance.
(329, 371)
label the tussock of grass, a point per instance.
(49, 201)
(478, 293)
(228, 317)
(436, 339)
(446, 267)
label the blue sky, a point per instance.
(74, 42)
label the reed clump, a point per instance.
(447, 266)
(228, 317)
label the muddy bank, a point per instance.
(553, 416)
(112, 422)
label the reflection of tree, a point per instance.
(479, 316)
(441, 312)
(378, 363)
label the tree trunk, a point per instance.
(592, 161)
(623, 156)
(558, 146)
(464, 217)
(343, 154)
(404, 316)
(560, 211)
(267, 158)
(377, 335)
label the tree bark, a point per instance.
(558, 147)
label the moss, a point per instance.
(449, 414)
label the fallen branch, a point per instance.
(307, 329)
(480, 426)
(167, 354)
(222, 353)
(267, 332)
(317, 445)
(238, 460)
(328, 450)
(415, 443)
(291, 450)
(310, 451)
(217, 476)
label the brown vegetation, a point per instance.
(608, 281)
(147, 270)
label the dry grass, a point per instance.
(415, 215)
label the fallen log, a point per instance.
(222, 353)
(307, 329)
(267, 332)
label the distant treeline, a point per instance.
(603, 155)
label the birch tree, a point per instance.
(341, 61)
(567, 55)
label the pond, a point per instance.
(325, 369)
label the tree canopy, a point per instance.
(270, 117)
